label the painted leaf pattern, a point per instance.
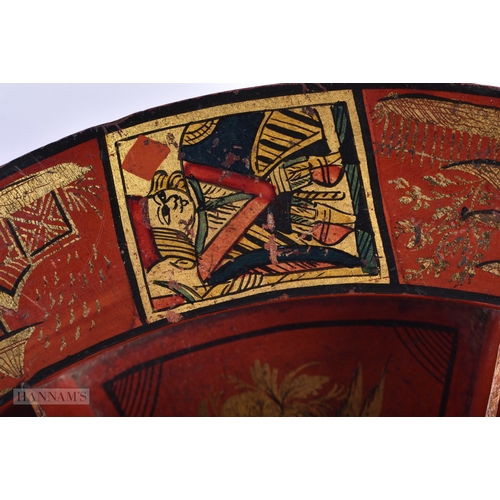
(492, 267)
(459, 225)
(373, 402)
(298, 394)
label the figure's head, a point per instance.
(173, 205)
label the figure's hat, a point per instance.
(162, 180)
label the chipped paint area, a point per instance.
(246, 201)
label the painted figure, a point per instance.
(247, 202)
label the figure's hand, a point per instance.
(323, 170)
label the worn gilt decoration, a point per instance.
(293, 250)
(219, 206)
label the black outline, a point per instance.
(476, 162)
(108, 385)
(65, 218)
(12, 293)
(70, 228)
(333, 291)
(119, 229)
(229, 97)
(425, 353)
(233, 97)
(376, 191)
(449, 375)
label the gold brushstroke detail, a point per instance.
(299, 394)
(279, 120)
(455, 115)
(32, 187)
(12, 353)
(5, 391)
(490, 267)
(156, 129)
(196, 132)
(492, 408)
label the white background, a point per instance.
(34, 115)
(260, 41)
